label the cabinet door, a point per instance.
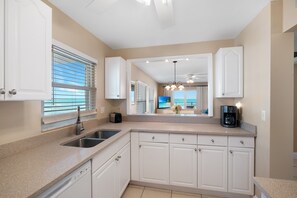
(241, 170)
(124, 168)
(212, 168)
(154, 162)
(183, 165)
(229, 72)
(28, 40)
(112, 78)
(105, 181)
(2, 89)
(123, 81)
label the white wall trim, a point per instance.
(74, 51)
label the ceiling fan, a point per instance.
(191, 78)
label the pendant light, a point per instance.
(174, 85)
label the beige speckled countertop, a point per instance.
(30, 172)
(276, 188)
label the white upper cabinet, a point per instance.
(27, 34)
(115, 78)
(229, 72)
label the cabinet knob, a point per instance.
(2, 91)
(231, 151)
(223, 94)
(119, 157)
(118, 96)
(241, 142)
(153, 137)
(195, 149)
(139, 146)
(212, 140)
(183, 139)
(12, 92)
(199, 149)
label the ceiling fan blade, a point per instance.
(165, 12)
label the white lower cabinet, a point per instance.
(212, 168)
(241, 170)
(112, 177)
(105, 179)
(183, 165)
(154, 162)
(214, 163)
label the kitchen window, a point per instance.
(73, 85)
(187, 99)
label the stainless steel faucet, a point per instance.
(79, 124)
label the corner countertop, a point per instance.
(30, 172)
(276, 188)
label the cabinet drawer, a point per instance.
(246, 142)
(183, 138)
(212, 140)
(153, 137)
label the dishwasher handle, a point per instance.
(56, 192)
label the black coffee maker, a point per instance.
(229, 116)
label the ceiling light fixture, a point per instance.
(174, 85)
(145, 2)
(147, 62)
(190, 78)
(166, 61)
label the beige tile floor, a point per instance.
(144, 192)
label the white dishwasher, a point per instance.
(75, 185)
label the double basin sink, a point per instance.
(92, 139)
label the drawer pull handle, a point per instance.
(12, 92)
(241, 142)
(2, 91)
(183, 139)
(212, 140)
(231, 152)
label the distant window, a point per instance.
(73, 82)
(186, 98)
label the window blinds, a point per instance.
(140, 98)
(73, 84)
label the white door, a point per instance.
(232, 62)
(212, 168)
(105, 180)
(28, 40)
(2, 89)
(183, 165)
(241, 170)
(154, 162)
(112, 78)
(124, 168)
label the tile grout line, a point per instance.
(142, 192)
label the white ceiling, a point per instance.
(163, 72)
(129, 24)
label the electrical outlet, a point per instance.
(102, 109)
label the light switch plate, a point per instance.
(263, 115)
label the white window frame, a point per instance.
(56, 121)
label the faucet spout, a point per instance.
(79, 124)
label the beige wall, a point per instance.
(180, 49)
(289, 15)
(282, 97)
(19, 120)
(256, 41)
(138, 75)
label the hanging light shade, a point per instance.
(174, 85)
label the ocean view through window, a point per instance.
(73, 84)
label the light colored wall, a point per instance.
(289, 15)
(256, 40)
(175, 50)
(282, 97)
(19, 120)
(139, 75)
